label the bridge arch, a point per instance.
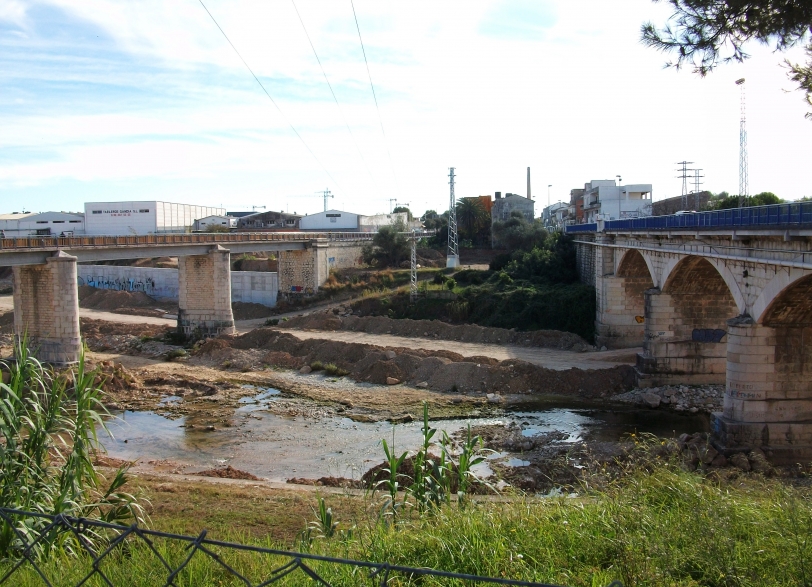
(634, 263)
(703, 270)
(774, 290)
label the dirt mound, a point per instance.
(108, 299)
(228, 472)
(328, 320)
(250, 311)
(442, 371)
(91, 328)
(328, 482)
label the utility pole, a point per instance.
(684, 176)
(697, 183)
(744, 180)
(453, 258)
(413, 273)
(327, 195)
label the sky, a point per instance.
(103, 100)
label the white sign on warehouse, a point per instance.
(117, 218)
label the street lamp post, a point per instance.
(549, 185)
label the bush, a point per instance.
(451, 284)
(472, 277)
(333, 369)
(317, 366)
(48, 424)
(272, 322)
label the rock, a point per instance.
(423, 384)
(652, 400)
(683, 438)
(758, 462)
(669, 392)
(305, 370)
(392, 381)
(493, 398)
(693, 410)
(707, 454)
(603, 348)
(391, 354)
(719, 461)
(739, 461)
(425, 334)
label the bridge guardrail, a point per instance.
(107, 241)
(775, 215)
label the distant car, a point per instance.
(681, 212)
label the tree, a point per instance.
(724, 201)
(389, 246)
(705, 33)
(473, 220)
(518, 233)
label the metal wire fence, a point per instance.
(100, 545)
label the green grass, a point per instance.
(657, 527)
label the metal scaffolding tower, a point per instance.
(744, 180)
(453, 259)
(413, 274)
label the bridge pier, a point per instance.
(46, 308)
(620, 316)
(204, 294)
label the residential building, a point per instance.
(554, 216)
(504, 207)
(605, 200)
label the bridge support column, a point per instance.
(46, 309)
(768, 398)
(301, 272)
(620, 311)
(204, 295)
(674, 351)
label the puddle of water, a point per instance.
(280, 447)
(170, 399)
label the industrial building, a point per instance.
(219, 222)
(20, 224)
(269, 221)
(150, 217)
(340, 221)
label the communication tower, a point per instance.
(744, 181)
(453, 258)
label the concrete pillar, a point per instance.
(204, 295)
(768, 397)
(46, 309)
(620, 321)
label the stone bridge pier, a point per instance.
(620, 319)
(303, 272)
(46, 309)
(204, 294)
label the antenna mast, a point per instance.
(327, 195)
(453, 259)
(744, 180)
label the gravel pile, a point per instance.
(681, 398)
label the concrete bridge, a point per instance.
(46, 300)
(715, 297)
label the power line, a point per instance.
(282, 114)
(374, 96)
(329, 85)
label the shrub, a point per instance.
(48, 424)
(334, 369)
(272, 322)
(317, 366)
(451, 284)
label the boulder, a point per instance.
(652, 400)
(391, 354)
(739, 460)
(423, 384)
(392, 381)
(707, 454)
(493, 398)
(305, 370)
(759, 462)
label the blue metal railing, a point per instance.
(775, 215)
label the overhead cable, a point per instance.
(261, 85)
(329, 85)
(374, 97)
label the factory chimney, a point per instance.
(529, 197)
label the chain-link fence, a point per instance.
(103, 549)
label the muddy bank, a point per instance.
(341, 319)
(441, 371)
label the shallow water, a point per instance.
(280, 447)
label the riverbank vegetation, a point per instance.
(655, 525)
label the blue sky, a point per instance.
(105, 100)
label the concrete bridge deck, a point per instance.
(715, 297)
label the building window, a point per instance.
(332, 219)
(96, 211)
(58, 221)
(144, 211)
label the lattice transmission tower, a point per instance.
(413, 272)
(684, 176)
(744, 180)
(453, 259)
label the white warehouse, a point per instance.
(144, 217)
(41, 224)
(337, 220)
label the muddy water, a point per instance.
(323, 443)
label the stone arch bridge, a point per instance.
(718, 297)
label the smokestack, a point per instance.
(529, 197)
